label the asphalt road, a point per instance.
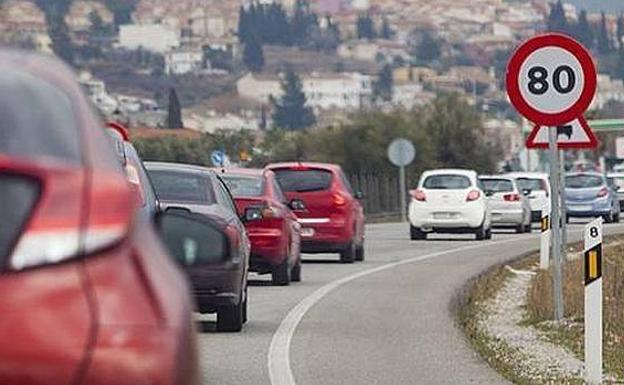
(385, 321)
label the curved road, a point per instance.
(384, 321)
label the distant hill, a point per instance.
(610, 6)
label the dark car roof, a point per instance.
(304, 165)
(171, 166)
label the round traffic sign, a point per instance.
(551, 79)
(401, 152)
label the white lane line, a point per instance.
(280, 372)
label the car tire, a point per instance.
(295, 273)
(417, 234)
(607, 218)
(488, 233)
(348, 255)
(359, 253)
(520, 229)
(245, 309)
(230, 317)
(281, 274)
(481, 233)
(616, 218)
(528, 228)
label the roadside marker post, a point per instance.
(593, 302)
(551, 80)
(545, 240)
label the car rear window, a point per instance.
(36, 118)
(447, 182)
(243, 185)
(497, 185)
(181, 187)
(533, 184)
(583, 181)
(303, 180)
(618, 181)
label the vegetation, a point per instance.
(384, 85)
(253, 56)
(174, 111)
(359, 146)
(540, 306)
(291, 112)
(365, 27)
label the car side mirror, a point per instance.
(297, 205)
(192, 239)
(359, 195)
(252, 214)
(527, 192)
(616, 188)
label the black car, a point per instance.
(218, 273)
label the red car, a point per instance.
(89, 294)
(271, 225)
(332, 217)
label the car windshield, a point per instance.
(583, 181)
(303, 180)
(497, 185)
(181, 187)
(532, 184)
(447, 182)
(244, 186)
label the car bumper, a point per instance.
(590, 209)
(440, 218)
(218, 287)
(316, 247)
(268, 247)
(507, 217)
(324, 234)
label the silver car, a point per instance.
(509, 205)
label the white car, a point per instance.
(538, 185)
(449, 201)
(509, 205)
(616, 180)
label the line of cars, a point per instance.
(461, 201)
(93, 239)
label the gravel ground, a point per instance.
(534, 358)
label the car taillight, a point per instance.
(339, 200)
(473, 196)
(603, 192)
(418, 195)
(78, 213)
(511, 197)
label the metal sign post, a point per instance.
(401, 153)
(564, 211)
(556, 225)
(593, 302)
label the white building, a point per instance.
(323, 91)
(157, 38)
(96, 89)
(183, 61)
(608, 90)
(213, 122)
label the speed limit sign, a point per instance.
(551, 79)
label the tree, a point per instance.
(290, 111)
(174, 111)
(583, 31)
(303, 20)
(620, 31)
(122, 10)
(557, 21)
(429, 48)
(386, 30)
(55, 12)
(605, 45)
(253, 56)
(384, 85)
(365, 27)
(243, 25)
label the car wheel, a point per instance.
(417, 234)
(281, 274)
(230, 318)
(520, 229)
(528, 228)
(607, 218)
(348, 255)
(481, 233)
(295, 273)
(359, 253)
(616, 218)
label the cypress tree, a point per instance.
(174, 111)
(290, 111)
(253, 56)
(605, 45)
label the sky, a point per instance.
(599, 5)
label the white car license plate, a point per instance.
(582, 208)
(307, 232)
(443, 215)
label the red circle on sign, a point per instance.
(513, 79)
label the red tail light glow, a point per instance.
(473, 196)
(418, 195)
(511, 197)
(603, 192)
(339, 200)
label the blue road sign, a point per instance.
(218, 158)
